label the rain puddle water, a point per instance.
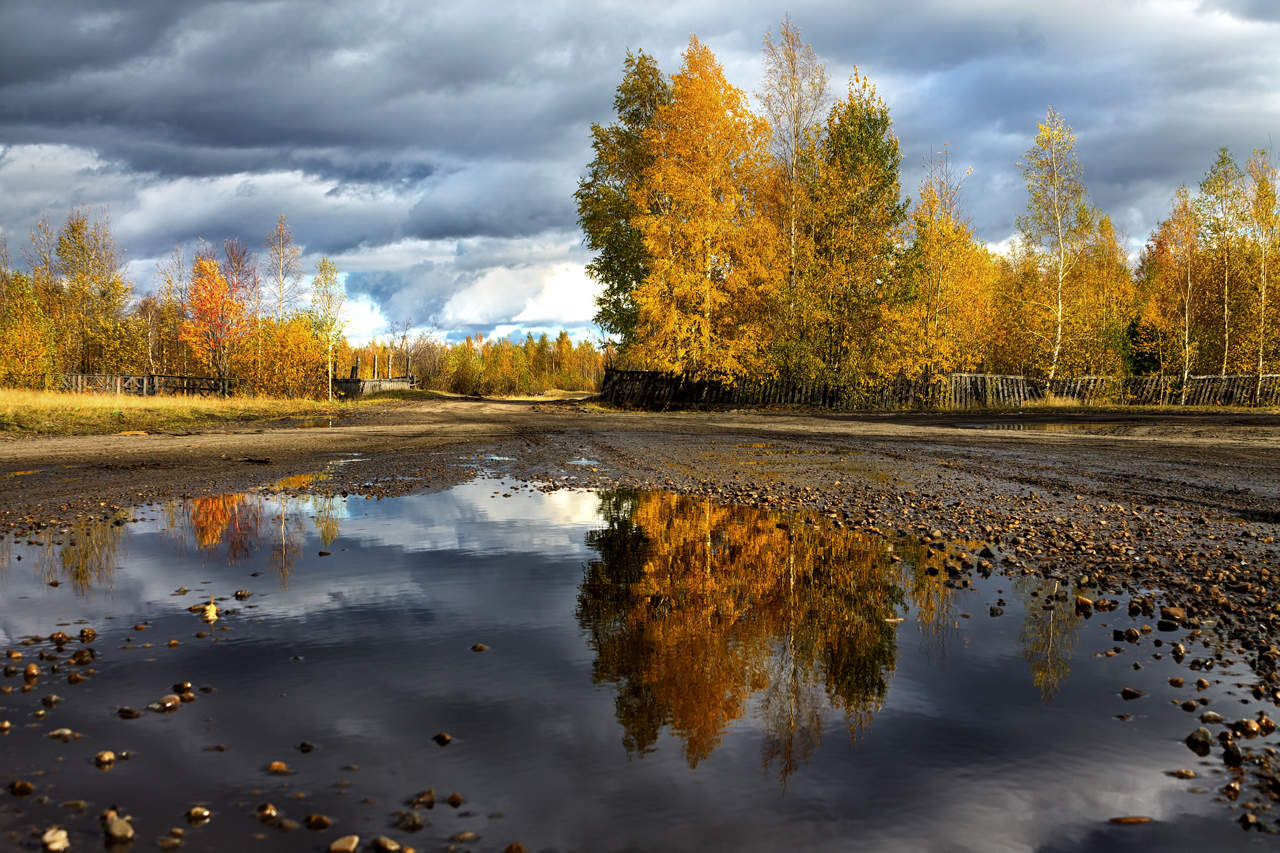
(1044, 427)
(658, 673)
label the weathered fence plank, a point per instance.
(147, 385)
(956, 391)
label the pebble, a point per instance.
(266, 811)
(443, 738)
(1249, 728)
(455, 799)
(278, 768)
(345, 844)
(64, 735)
(317, 821)
(383, 844)
(198, 815)
(410, 821)
(55, 840)
(1183, 773)
(1200, 741)
(105, 758)
(513, 847)
(20, 787)
(1131, 819)
(1129, 693)
(167, 702)
(168, 842)
(115, 828)
(1231, 754)
(127, 713)
(464, 836)
(479, 647)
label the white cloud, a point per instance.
(365, 320)
(533, 295)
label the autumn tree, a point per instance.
(166, 351)
(28, 354)
(327, 299)
(214, 317)
(240, 267)
(1103, 304)
(78, 280)
(794, 95)
(703, 305)
(852, 275)
(606, 196)
(1058, 218)
(953, 273)
(1168, 270)
(1264, 222)
(1221, 207)
(283, 267)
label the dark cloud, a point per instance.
(377, 126)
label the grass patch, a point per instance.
(552, 395)
(57, 413)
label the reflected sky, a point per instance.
(661, 673)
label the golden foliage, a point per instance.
(703, 304)
(694, 607)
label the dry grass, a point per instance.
(551, 395)
(57, 413)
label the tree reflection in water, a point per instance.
(86, 554)
(1049, 632)
(83, 554)
(694, 608)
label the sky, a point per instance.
(432, 150)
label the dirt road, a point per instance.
(1222, 467)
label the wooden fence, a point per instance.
(355, 387)
(146, 385)
(652, 390)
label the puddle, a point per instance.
(313, 423)
(660, 673)
(584, 462)
(1045, 427)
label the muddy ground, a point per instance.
(1170, 516)
(1221, 471)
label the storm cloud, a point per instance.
(432, 150)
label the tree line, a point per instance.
(729, 243)
(232, 313)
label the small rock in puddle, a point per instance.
(55, 840)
